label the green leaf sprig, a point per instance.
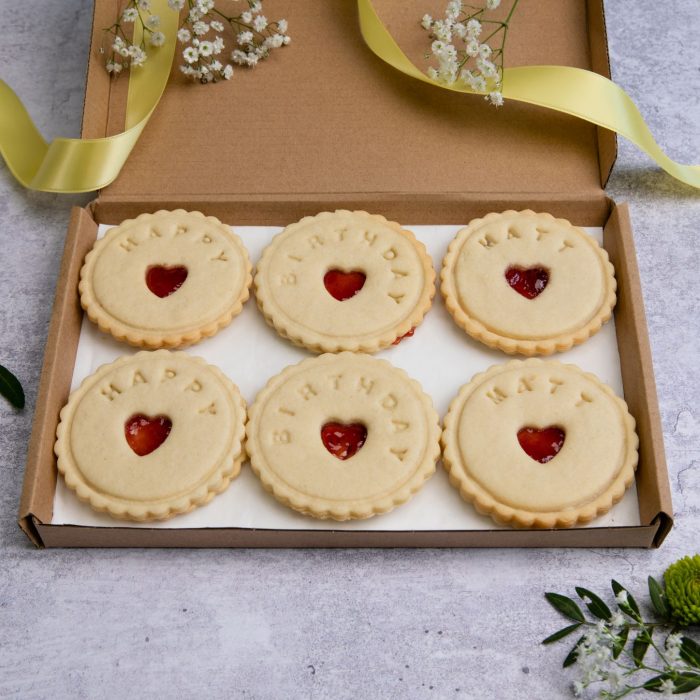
(619, 653)
(10, 388)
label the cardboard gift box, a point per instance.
(324, 124)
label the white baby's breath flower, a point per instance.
(227, 72)
(190, 54)
(247, 17)
(206, 48)
(667, 687)
(138, 57)
(205, 6)
(484, 50)
(473, 28)
(454, 8)
(153, 22)
(157, 39)
(113, 67)
(492, 4)
(245, 38)
(145, 5)
(617, 620)
(130, 15)
(200, 28)
(259, 23)
(183, 35)
(218, 45)
(216, 25)
(283, 26)
(621, 597)
(427, 22)
(176, 4)
(472, 48)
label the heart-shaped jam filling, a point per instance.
(145, 434)
(527, 281)
(542, 444)
(164, 281)
(343, 440)
(405, 335)
(343, 285)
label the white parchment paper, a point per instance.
(440, 356)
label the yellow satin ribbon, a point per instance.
(574, 91)
(84, 165)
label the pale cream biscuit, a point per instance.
(343, 436)
(151, 435)
(344, 281)
(539, 444)
(527, 283)
(167, 279)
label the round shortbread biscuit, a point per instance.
(167, 279)
(315, 473)
(539, 444)
(527, 283)
(292, 292)
(151, 435)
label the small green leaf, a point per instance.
(620, 642)
(640, 646)
(684, 682)
(565, 606)
(658, 598)
(654, 684)
(690, 651)
(561, 633)
(630, 608)
(10, 388)
(572, 656)
(594, 603)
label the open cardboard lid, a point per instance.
(324, 116)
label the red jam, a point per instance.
(164, 281)
(529, 282)
(542, 444)
(343, 440)
(343, 285)
(405, 335)
(145, 434)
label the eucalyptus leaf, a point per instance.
(572, 656)
(630, 608)
(690, 651)
(10, 388)
(640, 646)
(658, 598)
(594, 603)
(620, 642)
(566, 606)
(561, 633)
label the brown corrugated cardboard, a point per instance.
(324, 116)
(323, 125)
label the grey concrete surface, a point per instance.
(328, 624)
